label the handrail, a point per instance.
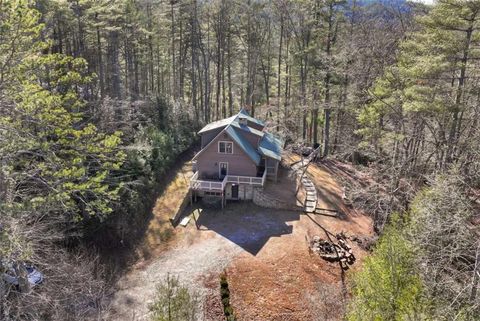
(193, 179)
(196, 183)
(246, 179)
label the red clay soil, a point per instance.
(284, 281)
(271, 273)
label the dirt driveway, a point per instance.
(271, 273)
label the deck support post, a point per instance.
(276, 172)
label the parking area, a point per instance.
(271, 273)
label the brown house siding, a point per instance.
(208, 136)
(238, 162)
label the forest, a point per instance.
(99, 99)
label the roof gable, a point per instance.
(269, 145)
(217, 124)
(244, 144)
(240, 140)
(231, 120)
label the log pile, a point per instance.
(334, 252)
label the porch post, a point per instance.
(276, 171)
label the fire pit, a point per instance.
(333, 252)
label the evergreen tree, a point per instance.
(388, 287)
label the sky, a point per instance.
(425, 1)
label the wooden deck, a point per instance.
(219, 186)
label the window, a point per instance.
(225, 147)
(222, 169)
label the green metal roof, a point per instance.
(271, 146)
(247, 128)
(245, 114)
(244, 144)
(218, 124)
(234, 119)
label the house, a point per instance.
(237, 156)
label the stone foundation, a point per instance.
(263, 199)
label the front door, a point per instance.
(222, 170)
(235, 191)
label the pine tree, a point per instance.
(52, 158)
(428, 97)
(387, 287)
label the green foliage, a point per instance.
(19, 33)
(173, 302)
(388, 288)
(61, 161)
(446, 247)
(225, 295)
(157, 145)
(430, 84)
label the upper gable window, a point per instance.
(225, 147)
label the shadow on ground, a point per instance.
(245, 224)
(123, 238)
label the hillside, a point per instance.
(239, 160)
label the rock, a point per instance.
(333, 252)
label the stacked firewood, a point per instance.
(334, 252)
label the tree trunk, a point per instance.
(114, 66)
(326, 135)
(174, 66)
(454, 129)
(279, 72)
(101, 76)
(229, 72)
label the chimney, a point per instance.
(243, 121)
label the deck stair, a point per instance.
(311, 198)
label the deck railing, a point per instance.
(259, 181)
(199, 184)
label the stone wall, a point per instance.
(263, 199)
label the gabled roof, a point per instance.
(232, 120)
(218, 124)
(240, 140)
(248, 129)
(271, 146)
(245, 114)
(244, 144)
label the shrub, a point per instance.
(173, 302)
(225, 293)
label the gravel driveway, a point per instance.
(240, 229)
(190, 264)
(264, 253)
